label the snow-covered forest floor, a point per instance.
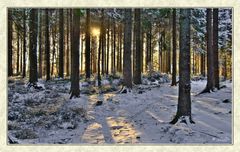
(47, 115)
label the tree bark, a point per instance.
(127, 63)
(24, 44)
(184, 98)
(10, 33)
(108, 46)
(210, 68)
(174, 40)
(47, 45)
(103, 42)
(215, 47)
(87, 43)
(137, 28)
(75, 90)
(40, 44)
(68, 46)
(18, 49)
(61, 44)
(33, 46)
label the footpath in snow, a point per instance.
(141, 116)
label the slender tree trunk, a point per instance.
(93, 53)
(174, 40)
(54, 49)
(103, 42)
(75, 90)
(138, 63)
(10, 33)
(40, 45)
(225, 66)
(184, 97)
(120, 49)
(47, 45)
(215, 47)
(127, 67)
(24, 44)
(61, 44)
(68, 49)
(203, 65)
(99, 55)
(87, 42)
(210, 68)
(82, 53)
(18, 50)
(108, 46)
(114, 48)
(21, 53)
(33, 78)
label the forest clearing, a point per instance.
(119, 76)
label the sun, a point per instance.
(95, 31)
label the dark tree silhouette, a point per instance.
(174, 48)
(75, 90)
(215, 48)
(33, 78)
(127, 62)
(87, 43)
(47, 45)
(210, 61)
(61, 44)
(10, 70)
(138, 63)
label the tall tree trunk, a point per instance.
(68, 49)
(39, 44)
(33, 78)
(127, 67)
(203, 64)
(24, 44)
(93, 53)
(47, 45)
(61, 44)
(75, 90)
(108, 46)
(103, 42)
(10, 33)
(120, 58)
(210, 68)
(99, 55)
(18, 49)
(215, 47)
(87, 42)
(114, 48)
(81, 50)
(54, 49)
(174, 40)
(225, 66)
(138, 63)
(184, 97)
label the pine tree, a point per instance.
(174, 39)
(127, 62)
(75, 91)
(47, 45)
(33, 78)
(10, 70)
(61, 44)
(184, 97)
(137, 27)
(87, 43)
